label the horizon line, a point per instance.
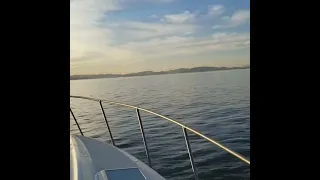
(158, 71)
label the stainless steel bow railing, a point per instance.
(184, 129)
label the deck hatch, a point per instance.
(121, 174)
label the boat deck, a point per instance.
(93, 159)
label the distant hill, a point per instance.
(148, 73)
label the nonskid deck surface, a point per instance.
(91, 159)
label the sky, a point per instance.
(124, 36)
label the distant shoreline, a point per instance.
(150, 73)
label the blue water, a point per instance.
(214, 103)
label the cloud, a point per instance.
(89, 42)
(216, 10)
(128, 3)
(154, 1)
(240, 17)
(180, 18)
(175, 45)
(134, 30)
(99, 44)
(154, 16)
(92, 43)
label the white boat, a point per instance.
(91, 159)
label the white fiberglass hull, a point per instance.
(91, 159)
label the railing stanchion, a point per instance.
(105, 118)
(143, 137)
(76, 122)
(190, 153)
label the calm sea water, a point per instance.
(215, 103)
